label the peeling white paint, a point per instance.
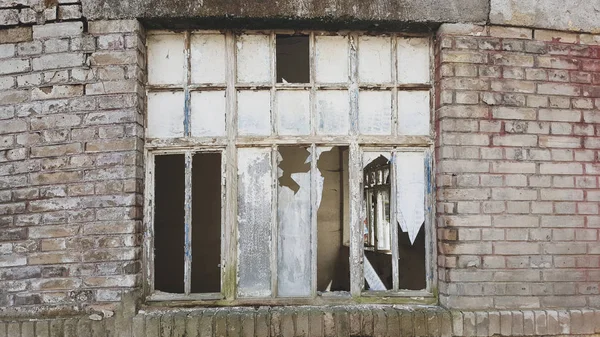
(413, 113)
(208, 58)
(253, 59)
(333, 112)
(254, 222)
(254, 113)
(293, 112)
(413, 60)
(331, 59)
(410, 192)
(374, 59)
(208, 113)
(375, 112)
(166, 59)
(165, 114)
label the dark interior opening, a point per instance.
(292, 59)
(333, 257)
(412, 261)
(206, 223)
(169, 193)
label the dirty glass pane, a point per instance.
(293, 112)
(254, 222)
(165, 114)
(253, 58)
(333, 112)
(377, 231)
(165, 59)
(375, 112)
(294, 221)
(413, 113)
(208, 113)
(208, 58)
(331, 59)
(374, 59)
(413, 60)
(254, 113)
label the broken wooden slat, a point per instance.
(254, 222)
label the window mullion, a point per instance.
(394, 224)
(274, 220)
(314, 155)
(188, 224)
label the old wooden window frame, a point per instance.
(228, 145)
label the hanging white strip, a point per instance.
(410, 192)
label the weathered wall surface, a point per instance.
(517, 153)
(576, 15)
(70, 158)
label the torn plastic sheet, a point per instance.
(410, 192)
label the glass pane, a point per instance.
(331, 59)
(333, 111)
(294, 220)
(293, 112)
(413, 60)
(254, 222)
(254, 113)
(165, 59)
(374, 59)
(253, 59)
(375, 112)
(208, 113)
(165, 114)
(208, 58)
(413, 113)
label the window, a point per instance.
(287, 167)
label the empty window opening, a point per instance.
(206, 223)
(294, 254)
(169, 217)
(333, 266)
(292, 59)
(377, 230)
(412, 261)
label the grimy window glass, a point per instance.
(303, 166)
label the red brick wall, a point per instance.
(518, 139)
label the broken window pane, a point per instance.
(165, 114)
(206, 223)
(331, 59)
(411, 257)
(377, 230)
(166, 59)
(254, 113)
(293, 112)
(413, 60)
(294, 220)
(169, 193)
(333, 111)
(413, 113)
(254, 222)
(208, 113)
(292, 59)
(253, 59)
(375, 112)
(374, 59)
(333, 266)
(208, 58)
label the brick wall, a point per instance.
(518, 173)
(70, 157)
